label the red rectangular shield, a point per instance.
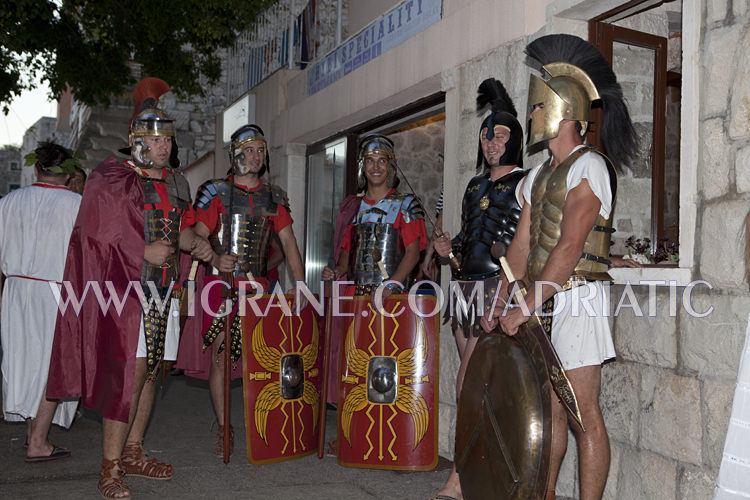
(282, 358)
(388, 384)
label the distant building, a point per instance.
(43, 130)
(11, 163)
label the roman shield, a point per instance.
(282, 356)
(388, 385)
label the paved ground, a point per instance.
(179, 433)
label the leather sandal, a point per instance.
(219, 448)
(111, 485)
(135, 463)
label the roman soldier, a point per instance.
(238, 214)
(134, 218)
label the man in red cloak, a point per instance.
(132, 218)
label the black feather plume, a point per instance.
(617, 132)
(492, 92)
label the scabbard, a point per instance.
(555, 371)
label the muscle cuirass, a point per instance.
(375, 239)
(164, 226)
(248, 233)
(489, 215)
(548, 195)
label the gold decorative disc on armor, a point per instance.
(484, 203)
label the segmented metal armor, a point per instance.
(375, 239)
(248, 232)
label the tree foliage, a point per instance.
(89, 44)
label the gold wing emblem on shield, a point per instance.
(311, 397)
(356, 359)
(310, 352)
(411, 402)
(268, 399)
(355, 401)
(267, 357)
(410, 363)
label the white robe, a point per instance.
(35, 227)
(734, 475)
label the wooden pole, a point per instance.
(326, 370)
(228, 278)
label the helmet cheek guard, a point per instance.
(244, 135)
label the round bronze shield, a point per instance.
(504, 425)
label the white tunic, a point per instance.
(734, 475)
(35, 227)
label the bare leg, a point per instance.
(559, 440)
(38, 428)
(593, 445)
(452, 487)
(115, 432)
(216, 378)
(145, 403)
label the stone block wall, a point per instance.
(419, 153)
(195, 119)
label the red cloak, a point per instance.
(93, 354)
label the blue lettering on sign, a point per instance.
(403, 23)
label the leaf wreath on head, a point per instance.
(67, 166)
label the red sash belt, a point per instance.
(30, 278)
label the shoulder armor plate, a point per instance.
(207, 192)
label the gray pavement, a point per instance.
(180, 433)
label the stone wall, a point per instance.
(419, 150)
(195, 119)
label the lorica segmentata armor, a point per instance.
(376, 240)
(247, 232)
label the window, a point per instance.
(14, 165)
(13, 186)
(648, 66)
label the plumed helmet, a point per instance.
(578, 77)
(243, 135)
(492, 92)
(376, 144)
(149, 120)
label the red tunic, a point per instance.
(93, 354)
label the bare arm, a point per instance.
(410, 259)
(278, 253)
(293, 257)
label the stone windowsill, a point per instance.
(666, 273)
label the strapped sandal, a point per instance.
(219, 448)
(135, 463)
(111, 485)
